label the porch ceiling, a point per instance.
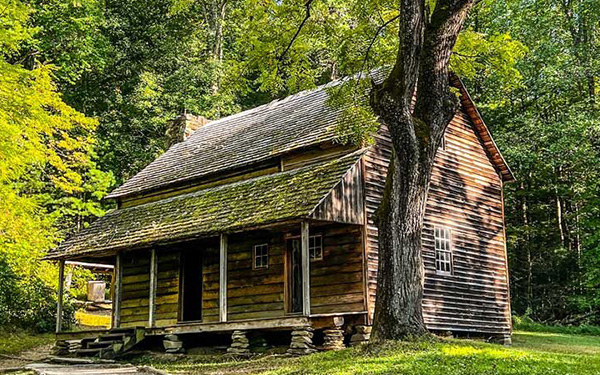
(252, 203)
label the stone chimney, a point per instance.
(180, 128)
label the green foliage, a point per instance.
(525, 323)
(48, 177)
(478, 55)
(548, 129)
(357, 123)
(29, 303)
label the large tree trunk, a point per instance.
(421, 73)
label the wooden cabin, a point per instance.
(264, 221)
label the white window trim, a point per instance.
(310, 249)
(450, 252)
(254, 257)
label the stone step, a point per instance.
(113, 336)
(88, 352)
(102, 344)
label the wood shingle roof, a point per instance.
(263, 133)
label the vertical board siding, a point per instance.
(337, 280)
(254, 293)
(344, 204)
(465, 196)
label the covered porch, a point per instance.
(299, 269)
(278, 251)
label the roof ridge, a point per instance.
(277, 101)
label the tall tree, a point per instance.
(415, 101)
(426, 39)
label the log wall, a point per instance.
(255, 293)
(136, 288)
(210, 282)
(336, 282)
(466, 197)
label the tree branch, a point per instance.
(379, 29)
(306, 17)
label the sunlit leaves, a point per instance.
(46, 151)
(357, 124)
(477, 54)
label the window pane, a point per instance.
(261, 256)
(443, 250)
(315, 247)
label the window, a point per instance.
(443, 251)
(261, 256)
(315, 247)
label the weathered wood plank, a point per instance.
(153, 286)
(117, 291)
(61, 291)
(305, 260)
(465, 196)
(223, 279)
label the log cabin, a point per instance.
(264, 221)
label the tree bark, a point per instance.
(420, 73)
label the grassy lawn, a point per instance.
(18, 341)
(532, 353)
(87, 319)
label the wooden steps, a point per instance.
(112, 344)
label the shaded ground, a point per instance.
(48, 369)
(20, 348)
(536, 353)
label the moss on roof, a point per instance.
(279, 197)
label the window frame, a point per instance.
(311, 248)
(444, 252)
(255, 256)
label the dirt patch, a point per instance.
(37, 354)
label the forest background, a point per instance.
(87, 88)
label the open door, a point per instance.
(294, 281)
(190, 307)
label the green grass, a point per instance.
(532, 353)
(13, 342)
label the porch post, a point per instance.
(223, 278)
(153, 282)
(61, 285)
(117, 292)
(304, 234)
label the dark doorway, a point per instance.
(295, 275)
(191, 286)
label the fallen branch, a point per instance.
(573, 320)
